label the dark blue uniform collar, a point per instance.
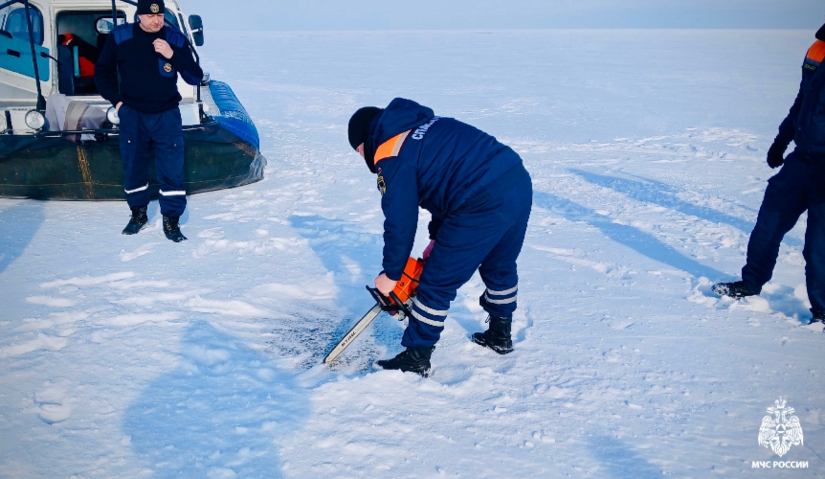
(820, 35)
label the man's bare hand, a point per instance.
(385, 284)
(119, 104)
(162, 47)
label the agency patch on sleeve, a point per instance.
(382, 185)
(167, 68)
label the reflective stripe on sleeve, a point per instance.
(137, 190)
(172, 193)
(429, 310)
(425, 320)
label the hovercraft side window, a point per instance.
(15, 46)
(14, 22)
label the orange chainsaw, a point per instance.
(397, 304)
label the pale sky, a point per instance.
(504, 14)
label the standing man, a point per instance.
(147, 58)
(480, 198)
(799, 186)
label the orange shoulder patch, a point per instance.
(391, 147)
(817, 52)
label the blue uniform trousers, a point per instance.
(799, 186)
(140, 134)
(487, 238)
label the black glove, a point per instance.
(776, 154)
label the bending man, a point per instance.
(479, 195)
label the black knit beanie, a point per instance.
(150, 7)
(359, 125)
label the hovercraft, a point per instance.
(59, 137)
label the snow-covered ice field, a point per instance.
(135, 357)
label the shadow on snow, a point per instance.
(619, 461)
(629, 236)
(218, 413)
(18, 225)
(354, 257)
(652, 191)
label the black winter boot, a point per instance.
(497, 337)
(737, 289)
(819, 317)
(137, 222)
(413, 360)
(172, 229)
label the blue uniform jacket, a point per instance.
(129, 69)
(805, 124)
(432, 162)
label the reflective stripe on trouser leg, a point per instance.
(172, 193)
(169, 153)
(134, 155)
(499, 302)
(507, 296)
(425, 326)
(137, 190)
(430, 316)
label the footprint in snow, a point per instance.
(52, 403)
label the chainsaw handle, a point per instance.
(401, 305)
(392, 305)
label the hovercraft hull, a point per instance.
(221, 153)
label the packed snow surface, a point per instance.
(136, 357)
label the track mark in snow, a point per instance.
(89, 280)
(149, 299)
(521, 333)
(125, 256)
(132, 285)
(42, 342)
(644, 141)
(129, 320)
(729, 136)
(216, 243)
(50, 301)
(229, 308)
(311, 290)
(553, 392)
(220, 473)
(619, 325)
(574, 257)
(57, 319)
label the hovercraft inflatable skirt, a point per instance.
(223, 152)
